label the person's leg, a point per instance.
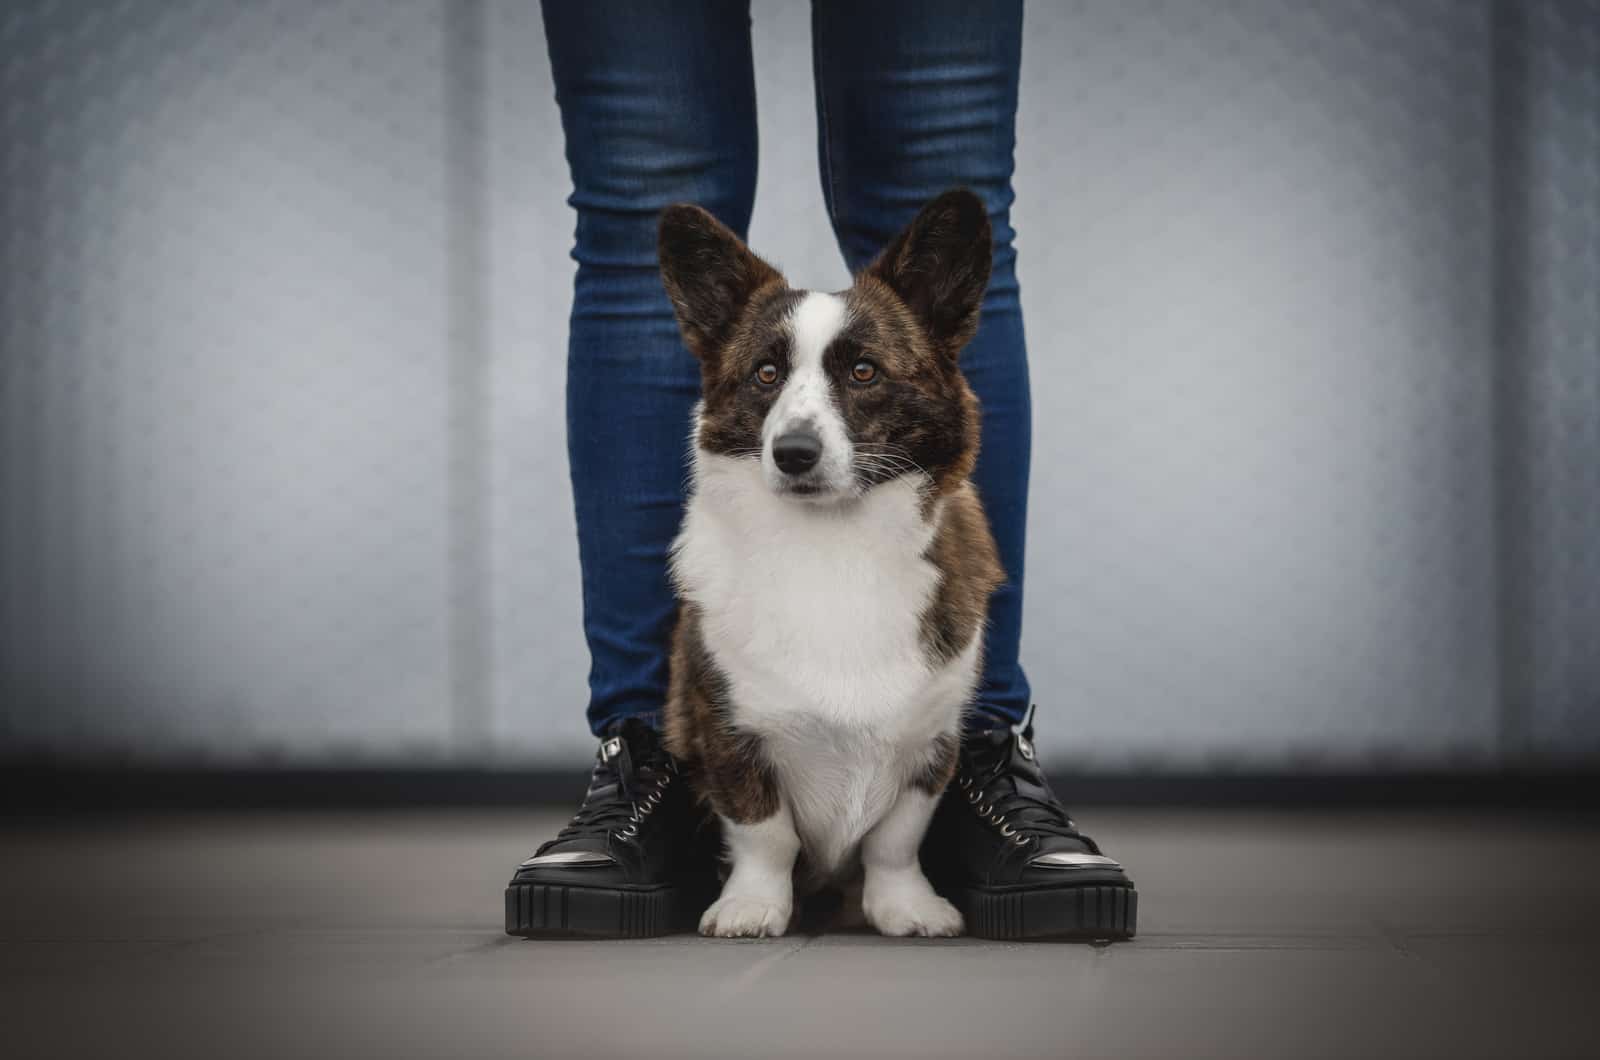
(915, 97)
(658, 106)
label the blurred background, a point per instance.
(1313, 299)
(1312, 290)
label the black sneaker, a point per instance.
(633, 861)
(1002, 848)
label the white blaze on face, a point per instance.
(807, 401)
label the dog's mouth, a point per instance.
(806, 489)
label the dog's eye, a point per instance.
(767, 373)
(864, 372)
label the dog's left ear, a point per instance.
(710, 275)
(939, 266)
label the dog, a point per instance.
(834, 565)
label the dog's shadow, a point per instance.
(830, 911)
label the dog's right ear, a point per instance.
(940, 267)
(710, 275)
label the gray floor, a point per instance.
(1276, 935)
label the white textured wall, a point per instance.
(283, 312)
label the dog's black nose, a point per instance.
(796, 453)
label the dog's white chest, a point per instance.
(814, 614)
(815, 618)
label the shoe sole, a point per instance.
(547, 910)
(1089, 912)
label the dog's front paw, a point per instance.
(745, 916)
(911, 910)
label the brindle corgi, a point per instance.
(834, 565)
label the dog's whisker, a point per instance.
(892, 463)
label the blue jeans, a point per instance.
(658, 106)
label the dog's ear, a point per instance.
(709, 274)
(939, 266)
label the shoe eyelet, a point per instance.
(1007, 831)
(1022, 840)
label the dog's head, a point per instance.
(835, 393)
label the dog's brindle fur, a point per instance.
(910, 313)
